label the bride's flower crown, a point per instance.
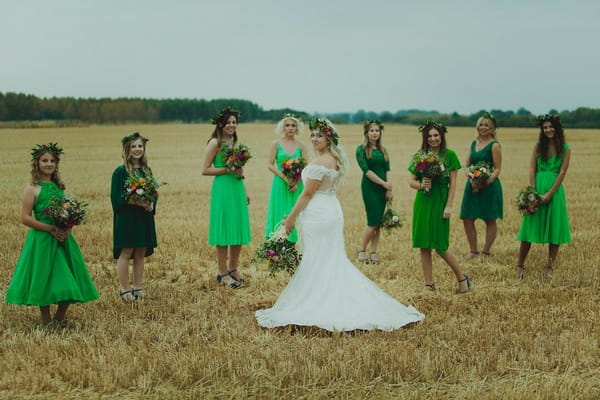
(324, 125)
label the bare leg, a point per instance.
(471, 233)
(45, 314)
(123, 268)
(234, 260)
(491, 231)
(452, 262)
(523, 252)
(427, 266)
(222, 263)
(61, 311)
(374, 243)
(138, 272)
(552, 254)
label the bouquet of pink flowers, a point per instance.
(236, 156)
(279, 252)
(66, 212)
(528, 200)
(139, 189)
(479, 174)
(292, 168)
(429, 165)
(391, 219)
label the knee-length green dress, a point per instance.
(49, 272)
(487, 203)
(133, 226)
(430, 230)
(281, 200)
(550, 223)
(373, 194)
(229, 220)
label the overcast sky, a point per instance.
(311, 55)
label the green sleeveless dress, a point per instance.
(550, 223)
(281, 200)
(373, 194)
(487, 203)
(49, 272)
(229, 221)
(430, 230)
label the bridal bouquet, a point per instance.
(236, 156)
(528, 200)
(66, 212)
(292, 168)
(479, 174)
(391, 219)
(140, 189)
(279, 252)
(429, 164)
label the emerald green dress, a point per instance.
(282, 200)
(430, 230)
(49, 272)
(229, 221)
(487, 203)
(133, 226)
(373, 194)
(550, 223)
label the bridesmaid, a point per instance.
(547, 170)
(284, 190)
(483, 201)
(432, 210)
(375, 186)
(229, 226)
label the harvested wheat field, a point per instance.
(193, 339)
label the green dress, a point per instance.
(282, 200)
(229, 220)
(133, 226)
(487, 203)
(430, 230)
(373, 194)
(550, 223)
(49, 272)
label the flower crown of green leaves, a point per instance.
(223, 112)
(427, 125)
(290, 115)
(489, 116)
(373, 121)
(133, 136)
(547, 117)
(40, 149)
(324, 126)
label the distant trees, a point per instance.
(27, 107)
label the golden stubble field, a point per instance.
(193, 339)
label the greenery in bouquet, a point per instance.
(479, 173)
(236, 156)
(429, 165)
(66, 212)
(528, 200)
(292, 168)
(139, 189)
(279, 253)
(391, 219)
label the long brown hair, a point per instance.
(558, 139)
(127, 149)
(367, 144)
(220, 124)
(35, 170)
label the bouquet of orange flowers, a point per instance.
(140, 188)
(528, 200)
(479, 174)
(279, 252)
(236, 156)
(66, 212)
(429, 165)
(292, 168)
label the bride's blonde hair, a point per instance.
(325, 126)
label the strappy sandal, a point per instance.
(472, 255)
(127, 296)
(240, 280)
(548, 270)
(234, 285)
(374, 260)
(430, 287)
(520, 271)
(465, 278)
(362, 257)
(138, 294)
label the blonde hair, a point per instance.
(281, 123)
(126, 159)
(492, 124)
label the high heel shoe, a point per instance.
(465, 278)
(362, 257)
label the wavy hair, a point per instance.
(279, 127)
(491, 122)
(220, 124)
(127, 159)
(367, 145)
(35, 170)
(558, 139)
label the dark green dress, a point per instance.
(373, 194)
(49, 272)
(550, 223)
(487, 203)
(133, 227)
(430, 230)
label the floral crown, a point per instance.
(40, 149)
(489, 116)
(290, 115)
(133, 136)
(373, 121)
(323, 125)
(223, 112)
(427, 125)
(547, 117)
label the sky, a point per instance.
(320, 56)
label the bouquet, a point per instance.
(292, 168)
(279, 252)
(429, 165)
(391, 219)
(236, 156)
(479, 174)
(528, 200)
(66, 212)
(141, 189)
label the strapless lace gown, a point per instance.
(327, 290)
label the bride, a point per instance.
(327, 290)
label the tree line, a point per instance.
(27, 107)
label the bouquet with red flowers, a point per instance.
(429, 164)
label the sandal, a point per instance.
(240, 280)
(549, 269)
(472, 255)
(520, 271)
(486, 253)
(430, 287)
(138, 294)
(234, 285)
(126, 296)
(465, 278)
(374, 260)
(362, 257)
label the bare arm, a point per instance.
(388, 195)
(209, 155)
(497, 161)
(27, 218)
(374, 178)
(533, 166)
(546, 197)
(310, 187)
(415, 184)
(451, 190)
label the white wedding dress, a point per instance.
(327, 290)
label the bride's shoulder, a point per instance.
(325, 161)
